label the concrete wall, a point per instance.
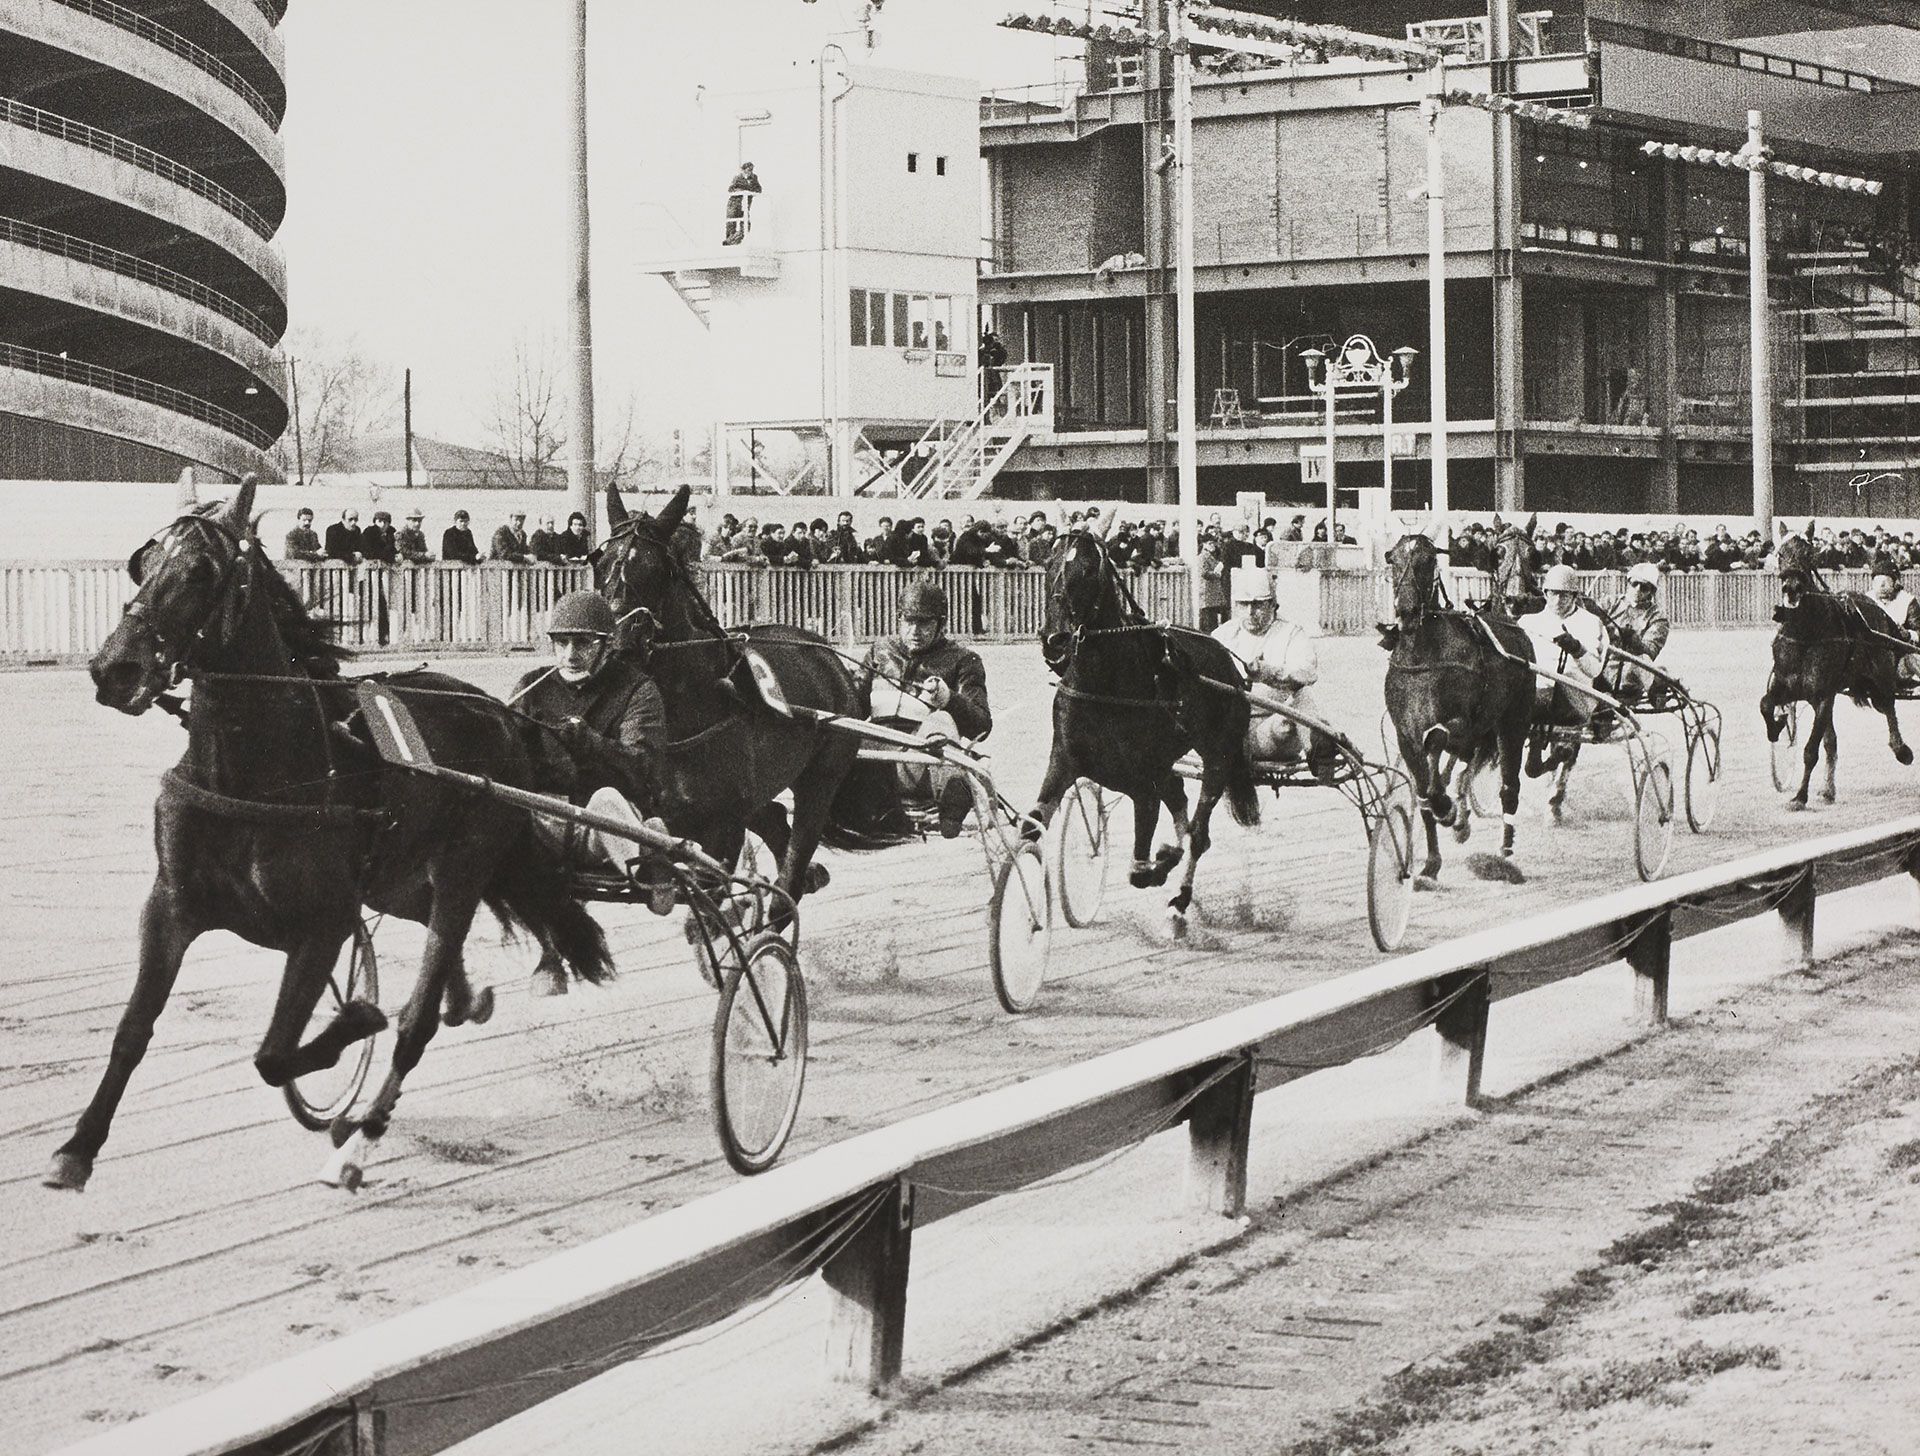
(40, 396)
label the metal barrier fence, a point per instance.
(430, 1379)
(54, 610)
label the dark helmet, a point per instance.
(923, 599)
(1882, 565)
(583, 614)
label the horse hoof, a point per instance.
(1903, 756)
(1176, 923)
(816, 879)
(346, 1168)
(1141, 877)
(1462, 829)
(1826, 796)
(363, 1019)
(1794, 806)
(547, 981)
(1443, 810)
(68, 1172)
(1426, 884)
(482, 1011)
(1495, 867)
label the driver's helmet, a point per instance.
(581, 614)
(1559, 578)
(923, 599)
(1644, 571)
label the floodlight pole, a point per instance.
(1436, 292)
(580, 494)
(1186, 405)
(1760, 341)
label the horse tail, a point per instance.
(867, 812)
(1242, 800)
(529, 896)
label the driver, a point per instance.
(1278, 658)
(1571, 641)
(588, 686)
(922, 682)
(1898, 603)
(1641, 627)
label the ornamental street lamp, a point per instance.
(1359, 365)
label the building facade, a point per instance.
(1596, 298)
(141, 184)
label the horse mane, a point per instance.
(308, 638)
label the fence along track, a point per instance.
(431, 1378)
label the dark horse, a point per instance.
(280, 823)
(1828, 643)
(1131, 702)
(1455, 697)
(728, 752)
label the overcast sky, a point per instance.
(427, 163)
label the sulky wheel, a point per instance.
(1703, 779)
(1079, 850)
(316, 1099)
(759, 1054)
(1019, 928)
(1785, 758)
(1653, 820)
(1390, 742)
(1483, 790)
(1390, 870)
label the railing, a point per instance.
(429, 1379)
(38, 361)
(198, 56)
(1738, 57)
(48, 123)
(969, 458)
(13, 230)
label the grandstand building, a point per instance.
(1596, 298)
(141, 184)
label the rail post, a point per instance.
(1460, 1055)
(1650, 953)
(369, 1430)
(1796, 919)
(868, 1279)
(1219, 1127)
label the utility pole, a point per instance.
(1186, 407)
(407, 427)
(1436, 295)
(1759, 335)
(580, 494)
(299, 451)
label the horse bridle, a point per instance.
(1058, 657)
(169, 658)
(628, 533)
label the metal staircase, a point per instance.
(964, 462)
(1858, 402)
(696, 292)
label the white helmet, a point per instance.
(1644, 571)
(1560, 579)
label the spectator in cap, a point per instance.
(377, 540)
(457, 543)
(1279, 662)
(411, 543)
(920, 681)
(510, 541)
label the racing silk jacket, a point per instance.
(619, 702)
(1905, 612)
(960, 668)
(1584, 626)
(1648, 629)
(1281, 660)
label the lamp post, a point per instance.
(1359, 365)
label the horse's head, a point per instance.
(1413, 562)
(636, 571)
(191, 578)
(1794, 561)
(1081, 595)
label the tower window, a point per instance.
(913, 161)
(940, 166)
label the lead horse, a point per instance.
(1459, 691)
(279, 823)
(1132, 701)
(1828, 643)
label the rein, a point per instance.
(176, 786)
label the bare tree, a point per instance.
(339, 394)
(527, 421)
(626, 453)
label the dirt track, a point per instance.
(203, 1249)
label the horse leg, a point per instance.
(1173, 793)
(452, 916)
(1562, 771)
(1883, 698)
(1198, 841)
(1817, 735)
(1832, 745)
(1420, 770)
(1054, 784)
(1462, 770)
(1146, 818)
(1435, 746)
(281, 1057)
(164, 938)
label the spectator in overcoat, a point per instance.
(377, 541)
(411, 543)
(510, 541)
(457, 543)
(303, 542)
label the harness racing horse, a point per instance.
(1828, 643)
(1516, 570)
(280, 822)
(1130, 704)
(728, 755)
(1459, 692)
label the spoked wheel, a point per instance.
(1653, 820)
(1483, 790)
(1019, 928)
(316, 1099)
(1390, 741)
(759, 1054)
(1703, 779)
(1390, 876)
(1785, 758)
(1080, 850)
